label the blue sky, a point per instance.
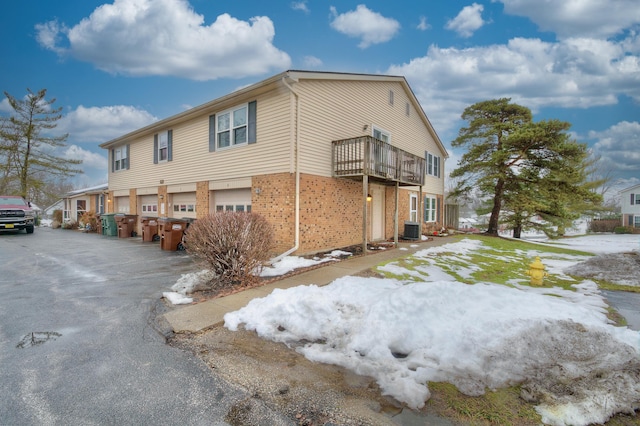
(120, 65)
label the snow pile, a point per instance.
(557, 344)
(290, 263)
(187, 284)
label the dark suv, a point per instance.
(16, 213)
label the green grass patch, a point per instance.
(500, 407)
(498, 260)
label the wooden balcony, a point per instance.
(381, 162)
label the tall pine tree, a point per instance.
(532, 171)
(27, 148)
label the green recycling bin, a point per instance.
(109, 226)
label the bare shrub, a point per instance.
(91, 219)
(233, 245)
(604, 225)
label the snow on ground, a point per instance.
(188, 283)
(601, 243)
(477, 337)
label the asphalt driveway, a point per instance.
(78, 344)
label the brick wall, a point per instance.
(202, 199)
(330, 213)
(273, 196)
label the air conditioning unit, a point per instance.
(411, 231)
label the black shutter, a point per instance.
(633, 198)
(426, 162)
(424, 209)
(170, 145)
(113, 160)
(212, 133)
(155, 149)
(127, 160)
(438, 207)
(251, 137)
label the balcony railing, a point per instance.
(366, 155)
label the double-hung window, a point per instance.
(163, 146)
(433, 164)
(430, 210)
(120, 158)
(232, 127)
(635, 199)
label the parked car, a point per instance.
(16, 213)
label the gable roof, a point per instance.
(91, 190)
(266, 85)
(631, 188)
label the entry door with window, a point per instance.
(413, 208)
(81, 207)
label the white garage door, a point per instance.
(183, 205)
(231, 200)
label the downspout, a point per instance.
(296, 143)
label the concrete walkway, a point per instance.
(193, 318)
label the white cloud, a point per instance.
(468, 20)
(311, 61)
(100, 124)
(572, 73)
(89, 159)
(300, 5)
(167, 37)
(369, 26)
(619, 145)
(423, 24)
(5, 106)
(578, 18)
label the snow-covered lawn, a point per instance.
(428, 326)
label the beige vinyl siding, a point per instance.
(333, 110)
(192, 161)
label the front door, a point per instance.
(377, 212)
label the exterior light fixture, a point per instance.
(369, 197)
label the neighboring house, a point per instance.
(76, 203)
(630, 200)
(329, 159)
(48, 212)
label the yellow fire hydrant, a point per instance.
(536, 272)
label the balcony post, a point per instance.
(395, 215)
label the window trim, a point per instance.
(163, 139)
(386, 133)
(156, 147)
(232, 128)
(121, 163)
(433, 164)
(430, 209)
